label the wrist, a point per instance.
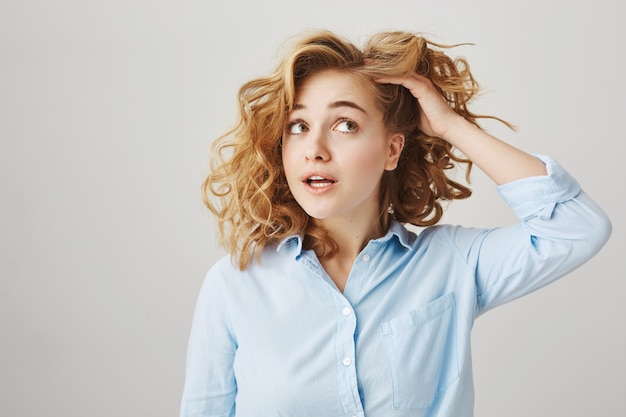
(458, 130)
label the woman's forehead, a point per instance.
(333, 86)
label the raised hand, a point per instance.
(436, 116)
(499, 160)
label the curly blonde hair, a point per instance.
(254, 205)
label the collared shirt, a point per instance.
(279, 338)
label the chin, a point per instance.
(317, 215)
(320, 214)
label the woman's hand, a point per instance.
(436, 115)
(499, 160)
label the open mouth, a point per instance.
(317, 181)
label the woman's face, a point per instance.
(335, 148)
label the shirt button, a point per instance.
(346, 311)
(366, 258)
(347, 361)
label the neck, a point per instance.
(351, 237)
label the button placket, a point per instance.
(346, 351)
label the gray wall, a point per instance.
(107, 111)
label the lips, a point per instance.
(318, 182)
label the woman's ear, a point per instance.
(396, 144)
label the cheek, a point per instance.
(370, 162)
(284, 153)
(288, 160)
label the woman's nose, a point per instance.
(317, 148)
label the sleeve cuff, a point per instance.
(539, 195)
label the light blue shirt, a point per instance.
(279, 339)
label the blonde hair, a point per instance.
(255, 207)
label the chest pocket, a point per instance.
(422, 355)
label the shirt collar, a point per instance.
(291, 242)
(398, 230)
(395, 229)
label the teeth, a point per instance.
(320, 184)
(318, 181)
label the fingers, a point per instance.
(436, 115)
(401, 80)
(417, 84)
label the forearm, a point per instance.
(502, 162)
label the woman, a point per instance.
(328, 304)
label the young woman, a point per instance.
(328, 306)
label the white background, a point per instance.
(107, 112)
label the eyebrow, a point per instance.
(336, 105)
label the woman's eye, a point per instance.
(297, 127)
(347, 126)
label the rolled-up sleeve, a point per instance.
(560, 229)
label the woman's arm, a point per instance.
(560, 226)
(210, 386)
